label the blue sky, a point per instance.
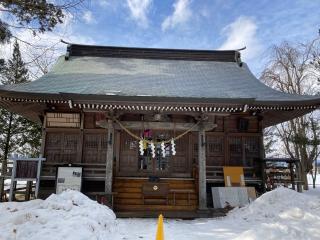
(194, 24)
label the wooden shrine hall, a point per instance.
(151, 128)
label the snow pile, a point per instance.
(280, 214)
(69, 215)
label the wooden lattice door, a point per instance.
(251, 149)
(95, 147)
(243, 150)
(128, 158)
(181, 161)
(62, 147)
(235, 151)
(215, 150)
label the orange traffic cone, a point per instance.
(160, 234)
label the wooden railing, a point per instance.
(94, 171)
(215, 174)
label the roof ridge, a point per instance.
(153, 53)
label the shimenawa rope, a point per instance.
(154, 142)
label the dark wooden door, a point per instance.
(130, 163)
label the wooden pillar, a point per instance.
(263, 165)
(13, 181)
(80, 145)
(109, 160)
(28, 191)
(36, 191)
(262, 156)
(202, 170)
(43, 136)
(42, 153)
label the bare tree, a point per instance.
(40, 59)
(291, 70)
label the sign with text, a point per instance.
(69, 178)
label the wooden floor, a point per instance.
(129, 196)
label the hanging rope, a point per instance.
(154, 142)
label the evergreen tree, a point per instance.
(17, 134)
(37, 15)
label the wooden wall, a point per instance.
(129, 196)
(87, 145)
(226, 145)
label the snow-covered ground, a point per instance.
(280, 214)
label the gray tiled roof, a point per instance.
(154, 77)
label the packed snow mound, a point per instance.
(276, 203)
(280, 214)
(69, 215)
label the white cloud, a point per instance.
(88, 17)
(180, 15)
(104, 3)
(139, 10)
(240, 33)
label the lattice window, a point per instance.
(195, 148)
(91, 141)
(104, 141)
(69, 120)
(53, 141)
(235, 145)
(215, 150)
(62, 147)
(215, 144)
(71, 141)
(95, 148)
(252, 145)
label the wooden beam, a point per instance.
(109, 160)
(133, 111)
(134, 125)
(202, 168)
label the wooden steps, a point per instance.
(129, 196)
(211, 213)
